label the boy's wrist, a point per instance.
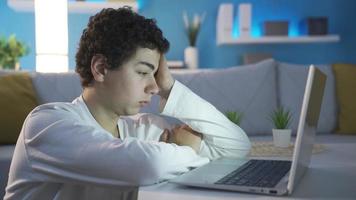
(183, 135)
(165, 91)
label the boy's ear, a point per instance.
(98, 67)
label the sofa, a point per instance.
(254, 90)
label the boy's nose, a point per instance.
(153, 88)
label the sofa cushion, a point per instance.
(345, 77)
(291, 85)
(250, 89)
(18, 98)
(57, 87)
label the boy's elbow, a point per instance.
(246, 151)
(243, 150)
(246, 148)
(245, 144)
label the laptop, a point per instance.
(274, 177)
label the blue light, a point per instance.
(256, 31)
(257, 28)
(235, 28)
(293, 30)
(140, 4)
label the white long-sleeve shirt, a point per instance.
(63, 153)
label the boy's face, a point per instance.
(132, 85)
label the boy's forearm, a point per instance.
(221, 136)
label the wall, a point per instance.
(169, 17)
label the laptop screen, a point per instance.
(307, 126)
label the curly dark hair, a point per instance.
(116, 34)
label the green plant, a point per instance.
(281, 118)
(192, 27)
(11, 50)
(234, 116)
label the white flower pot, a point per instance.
(281, 137)
(17, 66)
(191, 57)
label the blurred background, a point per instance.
(169, 15)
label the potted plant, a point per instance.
(281, 119)
(192, 29)
(234, 116)
(11, 50)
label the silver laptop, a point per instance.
(274, 177)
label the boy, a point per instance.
(65, 149)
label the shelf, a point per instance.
(279, 39)
(73, 6)
(225, 27)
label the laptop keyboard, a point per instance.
(257, 173)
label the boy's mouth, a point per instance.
(143, 103)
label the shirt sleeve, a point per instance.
(221, 137)
(60, 147)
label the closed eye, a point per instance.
(142, 73)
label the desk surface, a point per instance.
(332, 175)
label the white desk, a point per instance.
(332, 175)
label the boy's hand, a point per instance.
(183, 136)
(164, 78)
(165, 136)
